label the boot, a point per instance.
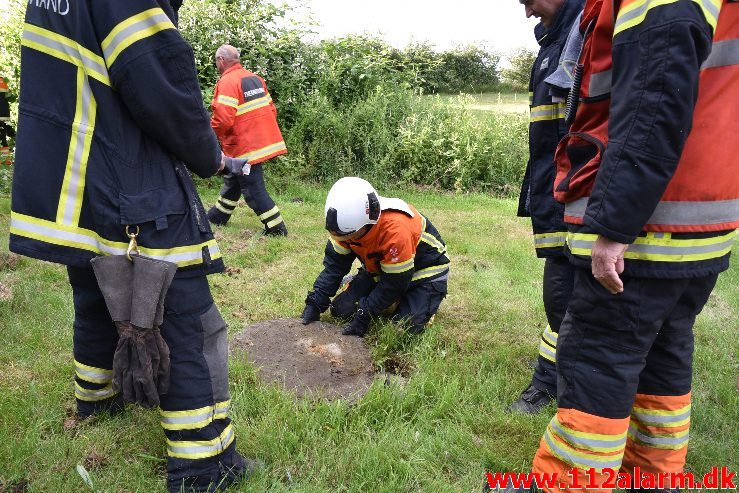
(230, 472)
(216, 217)
(531, 401)
(278, 230)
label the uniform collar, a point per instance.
(235, 66)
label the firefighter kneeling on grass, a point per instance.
(404, 261)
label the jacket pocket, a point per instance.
(193, 199)
(152, 205)
(578, 158)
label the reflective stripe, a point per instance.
(583, 461)
(265, 151)
(194, 419)
(403, 266)
(550, 240)
(88, 395)
(433, 242)
(423, 229)
(662, 419)
(429, 272)
(550, 336)
(665, 249)
(135, 28)
(201, 449)
(674, 213)
(274, 222)
(83, 128)
(673, 441)
(723, 53)
(338, 248)
(546, 352)
(269, 213)
(65, 49)
(253, 105)
(594, 442)
(92, 374)
(225, 201)
(84, 239)
(224, 209)
(600, 84)
(635, 13)
(547, 112)
(227, 101)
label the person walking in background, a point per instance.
(651, 189)
(111, 122)
(245, 120)
(546, 128)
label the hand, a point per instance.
(311, 314)
(607, 263)
(359, 324)
(234, 165)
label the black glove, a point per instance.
(359, 324)
(311, 313)
(235, 166)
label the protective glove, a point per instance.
(311, 314)
(135, 358)
(359, 324)
(235, 166)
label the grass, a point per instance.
(436, 431)
(501, 102)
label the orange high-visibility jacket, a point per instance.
(630, 168)
(245, 118)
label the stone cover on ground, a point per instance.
(312, 360)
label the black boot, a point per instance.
(278, 230)
(230, 470)
(532, 401)
(217, 217)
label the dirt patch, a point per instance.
(6, 292)
(9, 261)
(19, 486)
(311, 360)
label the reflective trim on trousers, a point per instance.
(201, 449)
(194, 419)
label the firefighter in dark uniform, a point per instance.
(405, 266)
(546, 128)
(111, 123)
(651, 197)
(6, 129)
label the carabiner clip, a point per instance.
(133, 247)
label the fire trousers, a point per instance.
(194, 413)
(559, 277)
(254, 190)
(624, 372)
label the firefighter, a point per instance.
(111, 123)
(245, 120)
(652, 209)
(405, 266)
(6, 129)
(546, 128)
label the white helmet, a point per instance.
(351, 204)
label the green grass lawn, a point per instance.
(501, 102)
(436, 431)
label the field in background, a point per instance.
(435, 427)
(503, 102)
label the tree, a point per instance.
(517, 76)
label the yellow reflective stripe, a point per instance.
(92, 374)
(225, 201)
(423, 230)
(202, 448)
(223, 209)
(550, 240)
(547, 112)
(594, 442)
(664, 441)
(58, 46)
(399, 267)
(274, 222)
(338, 248)
(657, 248)
(90, 395)
(429, 272)
(269, 213)
(634, 14)
(546, 352)
(662, 418)
(550, 336)
(431, 240)
(83, 127)
(582, 460)
(227, 101)
(84, 239)
(135, 28)
(265, 151)
(253, 105)
(194, 419)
